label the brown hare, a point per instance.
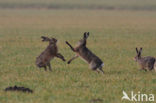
(146, 63)
(95, 63)
(43, 60)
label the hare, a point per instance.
(43, 60)
(95, 63)
(146, 63)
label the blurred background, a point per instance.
(79, 4)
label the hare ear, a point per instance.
(45, 38)
(140, 50)
(137, 50)
(85, 35)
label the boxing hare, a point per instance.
(95, 63)
(43, 60)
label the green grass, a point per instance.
(113, 37)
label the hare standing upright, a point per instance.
(82, 51)
(48, 54)
(146, 63)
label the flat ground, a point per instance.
(114, 35)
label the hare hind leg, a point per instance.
(94, 67)
(49, 66)
(45, 68)
(100, 68)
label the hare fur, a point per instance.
(146, 63)
(43, 60)
(95, 63)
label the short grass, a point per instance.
(113, 37)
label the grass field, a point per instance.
(114, 34)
